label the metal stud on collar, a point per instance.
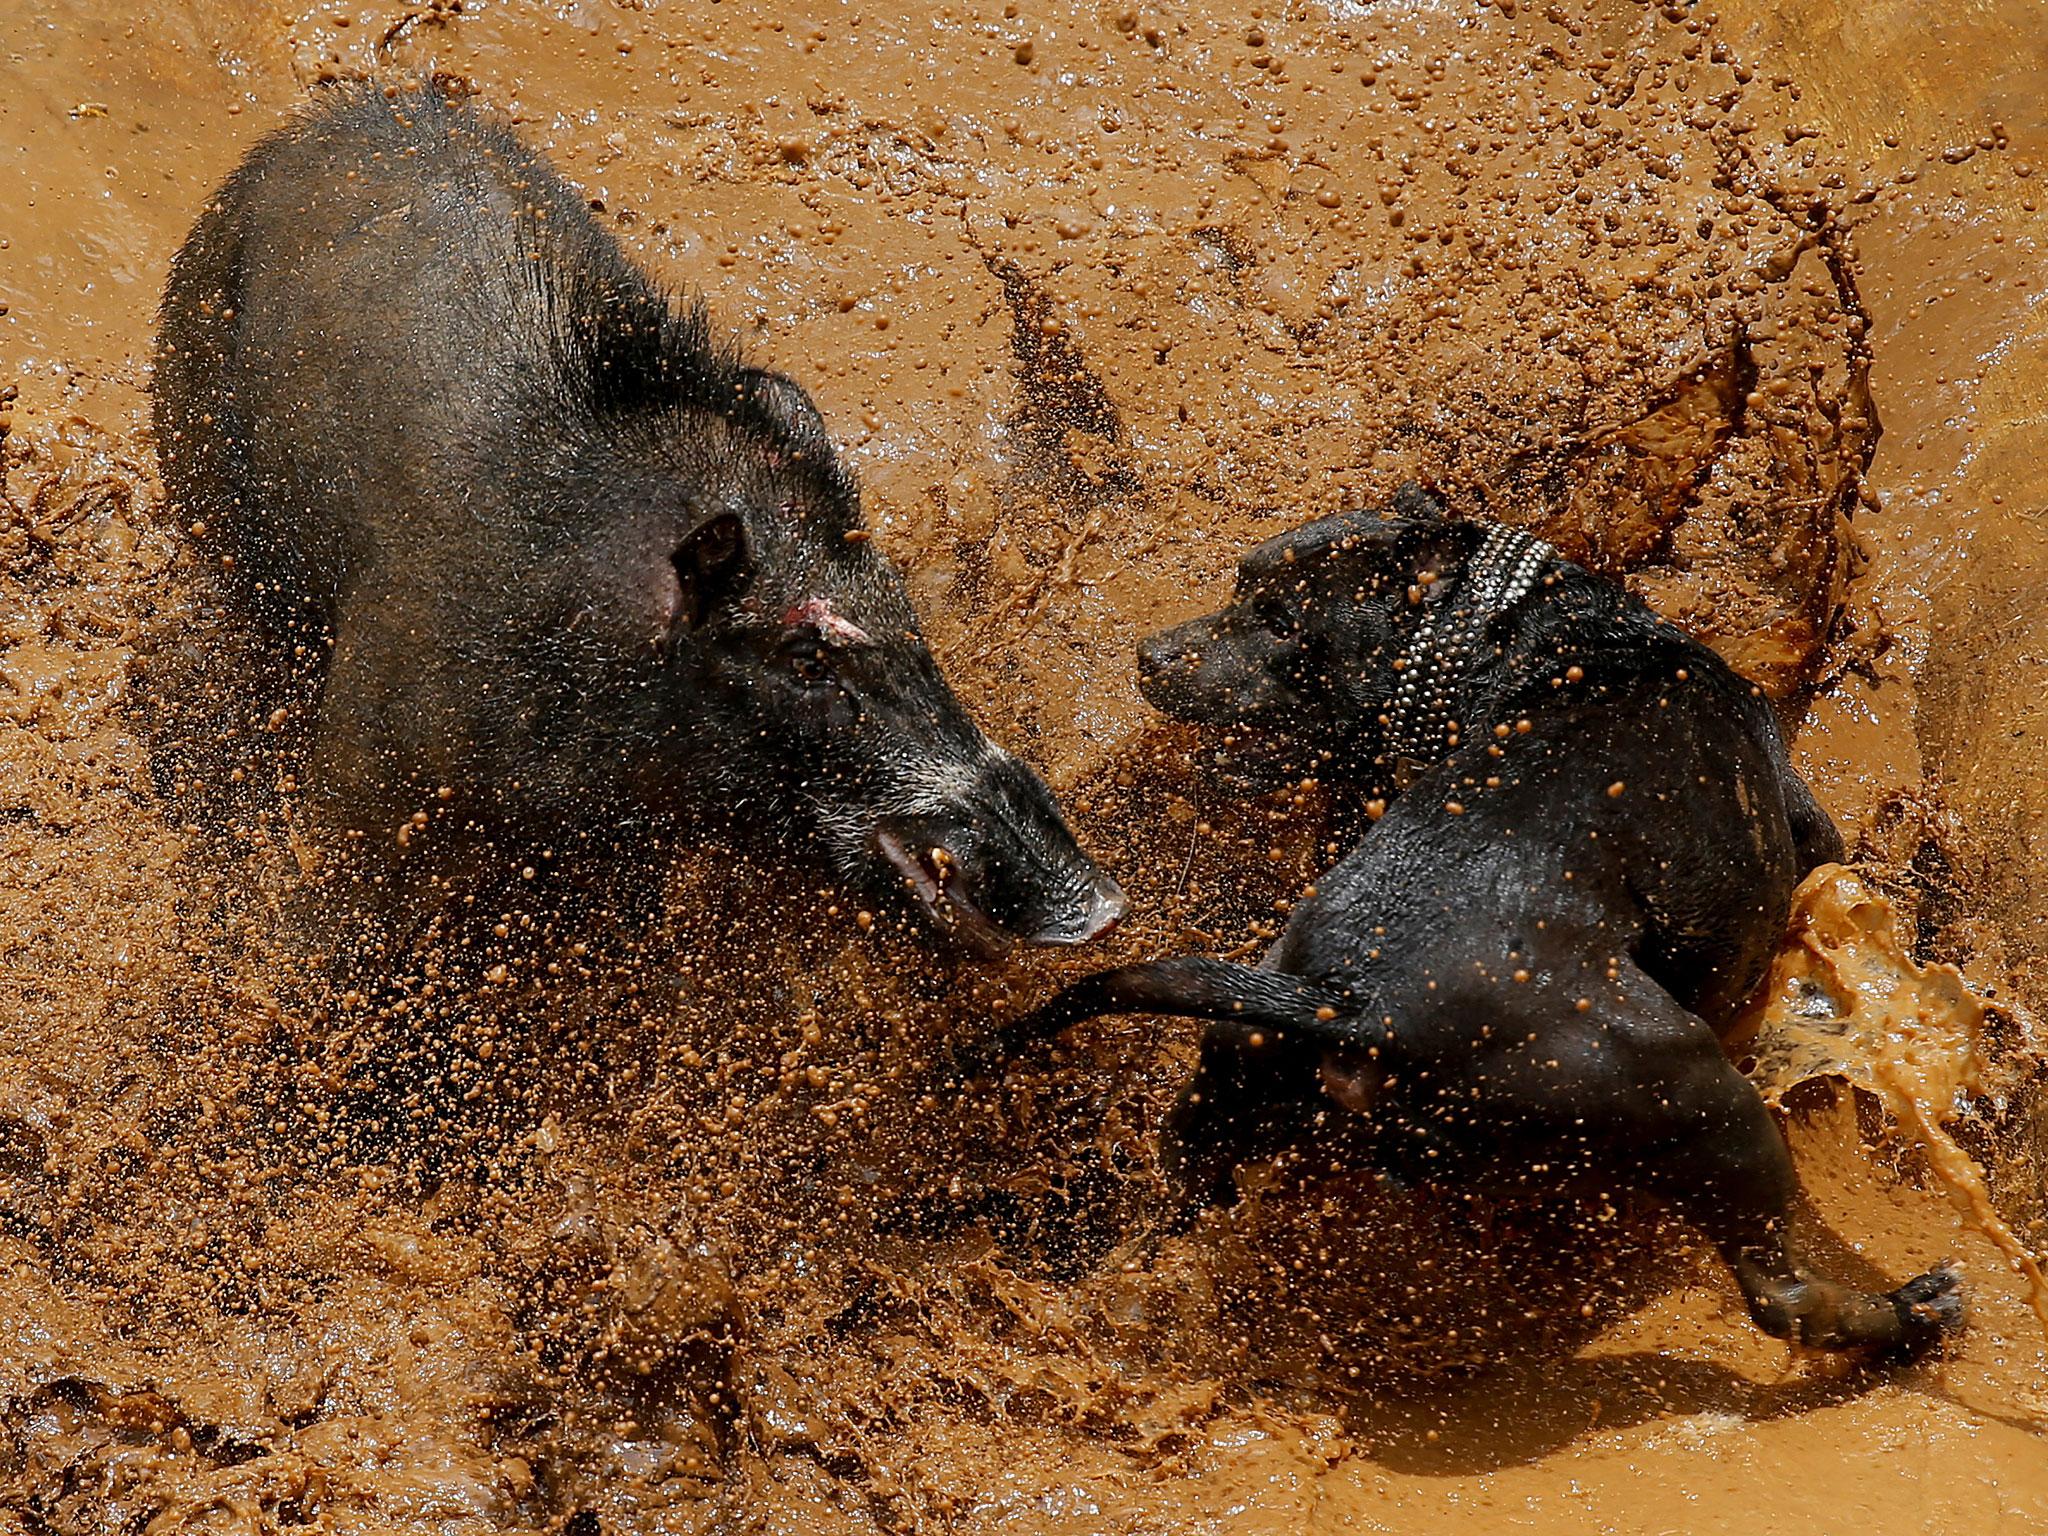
(1500, 574)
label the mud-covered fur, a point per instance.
(1516, 975)
(544, 561)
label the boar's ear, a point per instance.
(786, 404)
(712, 567)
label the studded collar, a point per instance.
(1500, 573)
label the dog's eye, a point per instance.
(1275, 619)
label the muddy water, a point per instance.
(688, 1236)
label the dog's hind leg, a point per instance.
(1705, 1142)
(1814, 833)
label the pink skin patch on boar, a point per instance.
(834, 630)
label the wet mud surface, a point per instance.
(690, 1230)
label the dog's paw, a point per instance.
(1930, 1306)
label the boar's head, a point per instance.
(796, 695)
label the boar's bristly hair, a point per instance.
(619, 343)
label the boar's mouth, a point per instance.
(930, 874)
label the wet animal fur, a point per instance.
(1517, 973)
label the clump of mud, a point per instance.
(692, 1228)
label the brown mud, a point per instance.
(684, 1233)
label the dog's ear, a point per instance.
(1417, 503)
(1324, 536)
(1388, 528)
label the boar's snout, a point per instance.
(994, 864)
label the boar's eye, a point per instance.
(813, 669)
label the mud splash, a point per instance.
(1845, 1003)
(693, 1236)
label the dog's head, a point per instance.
(1305, 652)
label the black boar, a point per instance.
(1586, 856)
(551, 561)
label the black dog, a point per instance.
(1584, 860)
